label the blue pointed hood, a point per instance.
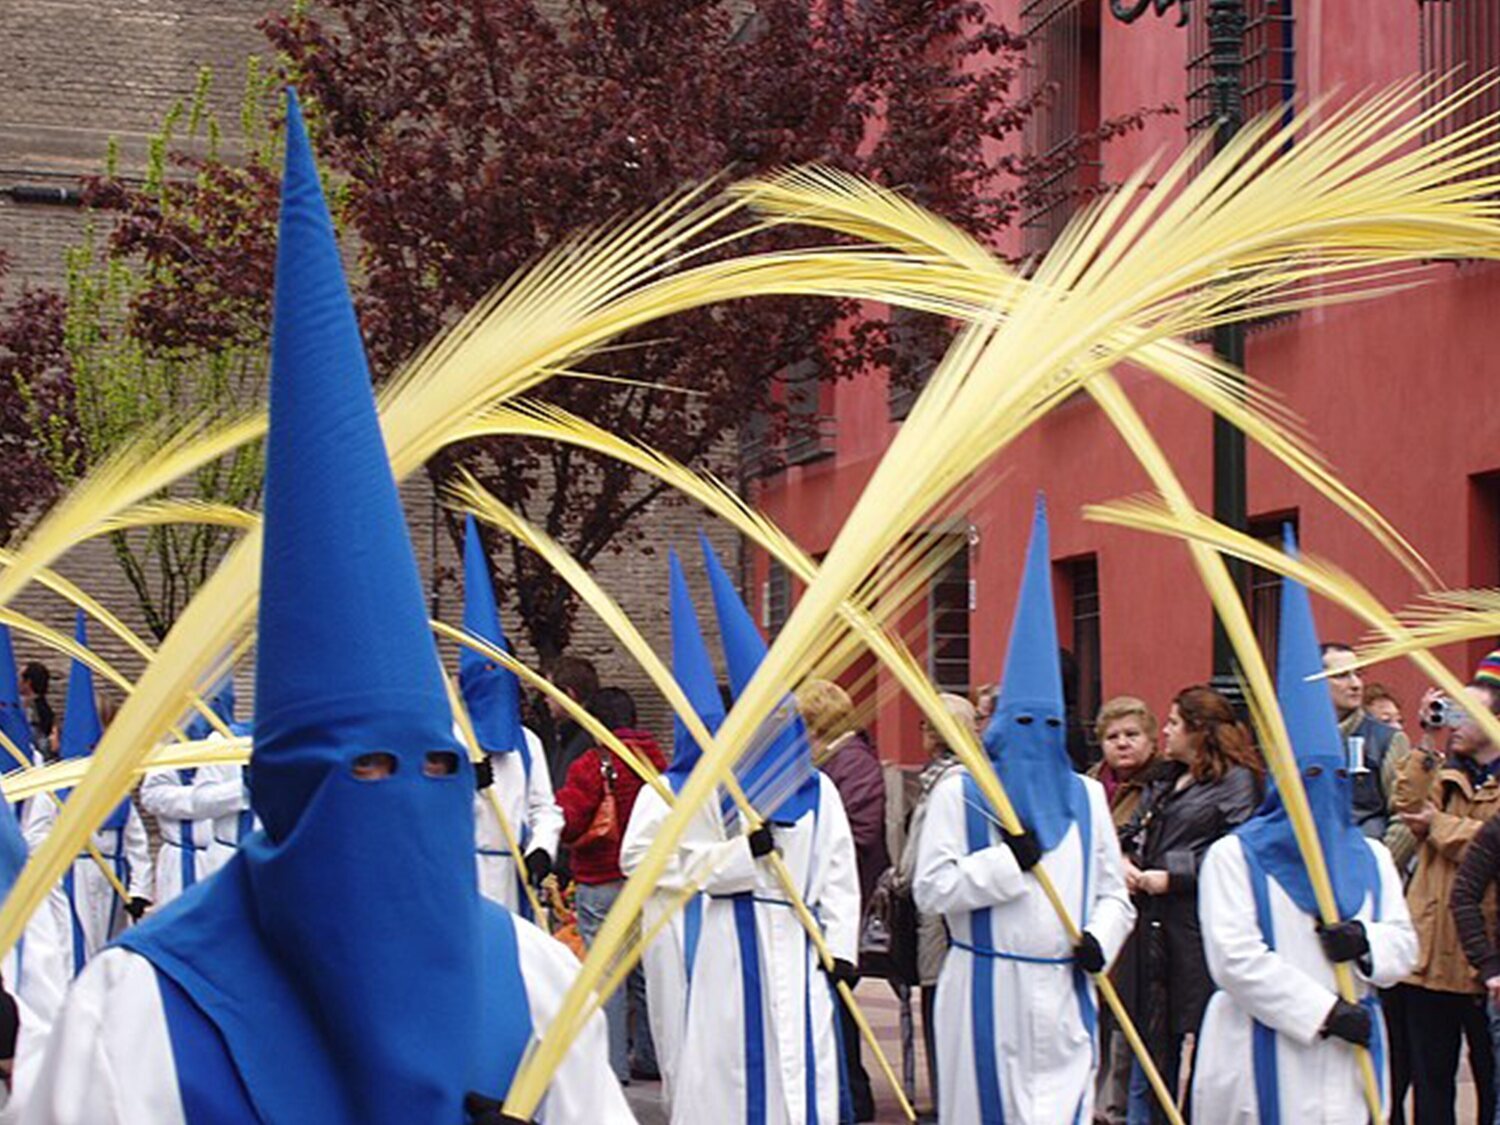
(13, 720)
(694, 670)
(17, 728)
(491, 692)
(1319, 749)
(1027, 737)
(296, 950)
(81, 728)
(222, 703)
(786, 763)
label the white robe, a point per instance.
(1044, 1039)
(796, 998)
(1289, 989)
(665, 961)
(36, 973)
(94, 905)
(185, 814)
(532, 814)
(109, 1060)
(231, 827)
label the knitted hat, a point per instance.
(1488, 671)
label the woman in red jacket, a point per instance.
(596, 860)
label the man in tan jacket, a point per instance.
(1445, 799)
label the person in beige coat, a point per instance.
(1444, 799)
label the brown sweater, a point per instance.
(1473, 888)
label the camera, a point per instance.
(1442, 712)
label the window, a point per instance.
(809, 426)
(1269, 54)
(756, 451)
(778, 600)
(1484, 547)
(1265, 586)
(918, 341)
(1081, 580)
(948, 624)
(1063, 69)
(1462, 38)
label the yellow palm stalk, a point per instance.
(1320, 577)
(573, 301)
(476, 500)
(1141, 265)
(1276, 742)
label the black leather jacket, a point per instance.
(1172, 832)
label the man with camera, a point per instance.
(1444, 797)
(1373, 750)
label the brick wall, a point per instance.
(78, 72)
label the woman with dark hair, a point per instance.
(1213, 785)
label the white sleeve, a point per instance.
(543, 813)
(1393, 940)
(138, 856)
(108, 1060)
(41, 815)
(1113, 914)
(585, 1087)
(838, 905)
(949, 880)
(1267, 986)
(209, 796)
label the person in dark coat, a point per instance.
(846, 756)
(1213, 786)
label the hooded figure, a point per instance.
(668, 961)
(1016, 1010)
(94, 912)
(34, 975)
(1275, 1043)
(514, 762)
(761, 1044)
(342, 968)
(189, 803)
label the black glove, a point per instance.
(843, 972)
(538, 865)
(137, 907)
(484, 773)
(1344, 941)
(1025, 847)
(10, 1025)
(1088, 955)
(1348, 1022)
(488, 1111)
(762, 842)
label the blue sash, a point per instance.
(211, 1089)
(1263, 1038)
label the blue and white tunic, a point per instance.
(668, 960)
(130, 1048)
(1260, 1058)
(761, 1044)
(1016, 1021)
(94, 913)
(524, 789)
(186, 804)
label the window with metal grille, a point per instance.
(778, 601)
(948, 625)
(1082, 577)
(1265, 585)
(918, 341)
(809, 426)
(1269, 80)
(1462, 38)
(1063, 70)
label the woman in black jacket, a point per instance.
(1213, 785)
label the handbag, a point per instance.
(606, 822)
(888, 936)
